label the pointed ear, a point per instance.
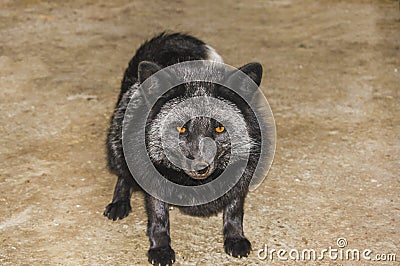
(146, 69)
(254, 71)
(239, 79)
(158, 81)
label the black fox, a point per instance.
(162, 51)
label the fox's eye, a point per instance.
(220, 129)
(181, 129)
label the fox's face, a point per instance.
(198, 127)
(205, 143)
(180, 137)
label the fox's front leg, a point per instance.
(160, 252)
(120, 205)
(235, 243)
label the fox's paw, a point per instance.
(117, 210)
(237, 247)
(162, 256)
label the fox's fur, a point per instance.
(162, 51)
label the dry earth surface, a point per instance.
(332, 78)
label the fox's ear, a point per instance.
(239, 79)
(146, 69)
(158, 80)
(254, 71)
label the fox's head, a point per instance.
(198, 128)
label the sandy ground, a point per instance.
(332, 77)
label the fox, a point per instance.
(207, 162)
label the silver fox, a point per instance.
(207, 147)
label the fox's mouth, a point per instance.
(201, 172)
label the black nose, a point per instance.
(201, 168)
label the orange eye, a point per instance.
(220, 129)
(181, 129)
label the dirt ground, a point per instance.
(332, 78)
